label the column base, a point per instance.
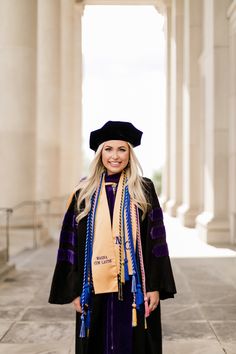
(233, 228)
(212, 229)
(171, 207)
(187, 215)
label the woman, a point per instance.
(113, 261)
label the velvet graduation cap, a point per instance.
(115, 130)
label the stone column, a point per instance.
(176, 107)
(78, 94)
(232, 120)
(192, 128)
(213, 224)
(165, 193)
(71, 97)
(17, 108)
(17, 100)
(48, 96)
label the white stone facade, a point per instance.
(40, 99)
(40, 107)
(41, 104)
(205, 128)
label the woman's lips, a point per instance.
(114, 164)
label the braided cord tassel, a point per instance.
(140, 252)
(88, 285)
(87, 280)
(136, 281)
(136, 287)
(121, 275)
(130, 238)
(94, 204)
(93, 214)
(84, 295)
(126, 269)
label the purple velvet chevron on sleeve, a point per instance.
(66, 251)
(66, 255)
(156, 214)
(157, 232)
(68, 230)
(69, 219)
(68, 237)
(160, 250)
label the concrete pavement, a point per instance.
(28, 324)
(201, 319)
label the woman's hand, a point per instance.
(77, 305)
(153, 298)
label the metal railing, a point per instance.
(41, 209)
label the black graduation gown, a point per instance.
(68, 277)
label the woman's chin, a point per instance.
(113, 170)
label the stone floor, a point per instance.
(201, 319)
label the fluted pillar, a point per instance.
(17, 100)
(48, 96)
(165, 193)
(176, 107)
(71, 97)
(192, 120)
(232, 120)
(213, 223)
(78, 94)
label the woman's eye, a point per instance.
(109, 149)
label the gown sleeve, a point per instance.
(159, 275)
(65, 282)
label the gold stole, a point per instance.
(106, 250)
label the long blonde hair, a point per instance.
(88, 185)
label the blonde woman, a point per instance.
(113, 261)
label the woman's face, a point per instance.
(115, 156)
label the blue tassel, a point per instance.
(139, 296)
(82, 328)
(126, 269)
(88, 319)
(133, 289)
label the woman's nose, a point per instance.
(115, 155)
